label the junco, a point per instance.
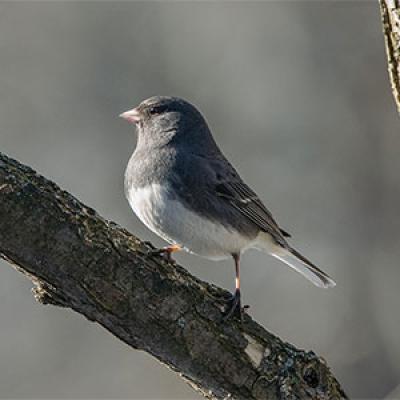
(182, 187)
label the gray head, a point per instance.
(162, 120)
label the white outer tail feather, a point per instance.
(309, 271)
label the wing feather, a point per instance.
(221, 179)
(246, 201)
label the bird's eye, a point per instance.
(158, 109)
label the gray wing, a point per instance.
(228, 196)
(246, 201)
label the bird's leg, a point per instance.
(234, 307)
(167, 251)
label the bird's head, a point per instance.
(162, 119)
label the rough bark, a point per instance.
(390, 12)
(79, 260)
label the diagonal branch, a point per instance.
(79, 260)
(390, 13)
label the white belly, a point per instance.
(176, 224)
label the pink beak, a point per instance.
(131, 116)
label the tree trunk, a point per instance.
(390, 11)
(79, 260)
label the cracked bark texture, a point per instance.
(77, 259)
(390, 12)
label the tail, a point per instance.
(299, 263)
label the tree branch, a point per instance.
(390, 12)
(79, 260)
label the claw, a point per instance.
(166, 252)
(234, 307)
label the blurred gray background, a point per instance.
(297, 95)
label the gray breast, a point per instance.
(148, 166)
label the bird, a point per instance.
(182, 187)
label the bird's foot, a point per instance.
(234, 307)
(166, 252)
